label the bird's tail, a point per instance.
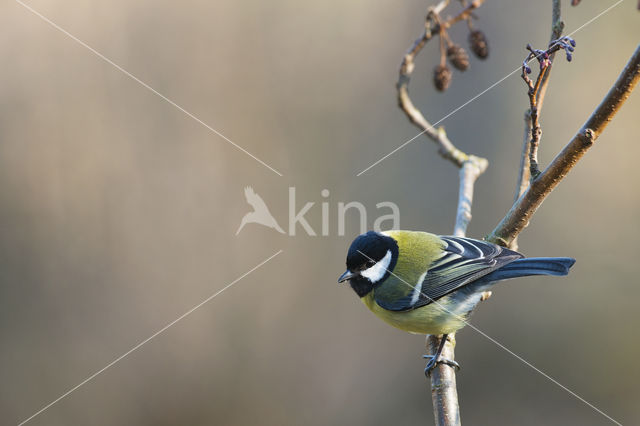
(532, 266)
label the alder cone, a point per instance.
(478, 43)
(458, 57)
(442, 77)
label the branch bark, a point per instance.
(557, 26)
(444, 392)
(469, 173)
(538, 88)
(536, 130)
(524, 174)
(523, 209)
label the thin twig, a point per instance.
(524, 173)
(557, 26)
(445, 147)
(536, 130)
(518, 217)
(544, 57)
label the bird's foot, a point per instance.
(434, 361)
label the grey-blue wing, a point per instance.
(465, 261)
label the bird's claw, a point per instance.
(433, 362)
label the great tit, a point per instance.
(429, 284)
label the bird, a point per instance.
(424, 283)
(260, 213)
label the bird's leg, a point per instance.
(435, 359)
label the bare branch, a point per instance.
(536, 131)
(444, 394)
(518, 217)
(445, 147)
(557, 26)
(469, 173)
(524, 174)
(544, 58)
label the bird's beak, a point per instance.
(347, 276)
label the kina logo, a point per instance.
(260, 214)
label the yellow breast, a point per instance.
(436, 318)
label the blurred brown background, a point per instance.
(118, 213)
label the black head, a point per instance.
(369, 260)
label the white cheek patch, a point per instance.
(377, 271)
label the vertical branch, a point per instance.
(540, 90)
(524, 174)
(444, 394)
(557, 26)
(469, 173)
(536, 130)
(524, 171)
